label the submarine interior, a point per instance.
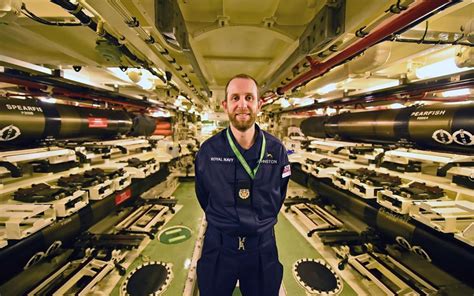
(105, 104)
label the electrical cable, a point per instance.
(424, 34)
(38, 19)
(76, 10)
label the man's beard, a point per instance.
(243, 125)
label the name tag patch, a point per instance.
(286, 171)
(222, 159)
(269, 161)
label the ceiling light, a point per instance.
(320, 111)
(306, 102)
(330, 111)
(47, 100)
(460, 103)
(396, 106)
(456, 92)
(327, 88)
(146, 84)
(153, 101)
(445, 67)
(179, 101)
(81, 77)
(284, 103)
(382, 86)
(117, 72)
(135, 75)
(161, 113)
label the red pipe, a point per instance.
(66, 93)
(390, 26)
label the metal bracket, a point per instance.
(170, 22)
(13, 169)
(327, 25)
(361, 33)
(133, 23)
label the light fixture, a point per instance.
(330, 111)
(469, 102)
(456, 92)
(321, 100)
(82, 77)
(179, 101)
(161, 113)
(47, 100)
(146, 84)
(140, 77)
(383, 85)
(117, 72)
(441, 68)
(397, 106)
(153, 101)
(327, 88)
(284, 103)
(306, 102)
(135, 75)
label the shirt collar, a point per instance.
(254, 151)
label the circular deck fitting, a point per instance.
(150, 278)
(317, 277)
(175, 234)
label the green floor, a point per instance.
(291, 247)
(190, 216)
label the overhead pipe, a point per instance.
(373, 58)
(396, 23)
(42, 85)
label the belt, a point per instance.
(241, 242)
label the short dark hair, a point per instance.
(244, 76)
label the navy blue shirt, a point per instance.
(219, 177)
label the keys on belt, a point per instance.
(241, 243)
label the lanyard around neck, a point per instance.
(242, 160)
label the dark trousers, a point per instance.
(253, 260)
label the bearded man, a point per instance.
(242, 175)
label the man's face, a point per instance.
(242, 103)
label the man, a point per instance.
(242, 174)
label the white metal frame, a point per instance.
(329, 219)
(445, 216)
(18, 221)
(95, 268)
(70, 204)
(94, 193)
(364, 263)
(142, 215)
(370, 191)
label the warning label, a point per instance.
(97, 122)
